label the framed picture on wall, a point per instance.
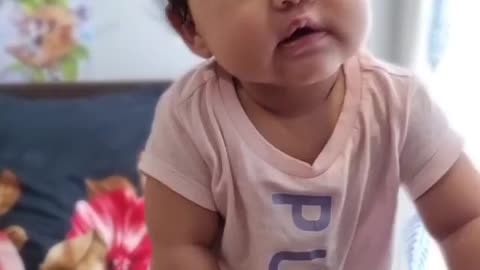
(44, 41)
(89, 41)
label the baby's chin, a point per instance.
(308, 72)
(292, 81)
(307, 77)
(297, 75)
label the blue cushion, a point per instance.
(53, 144)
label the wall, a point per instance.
(133, 42)
(381, 40)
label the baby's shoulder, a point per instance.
(188, 102)
(392, 83)
(190, 85)
(370, 63)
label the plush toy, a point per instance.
(108, 230)
(12, 238)
(9, 191)
(86, 252)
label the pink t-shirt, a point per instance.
(282, 213)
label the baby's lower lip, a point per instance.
(304, 44)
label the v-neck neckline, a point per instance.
(279, 159)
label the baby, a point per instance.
(287, 149)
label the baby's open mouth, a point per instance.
(298, 34)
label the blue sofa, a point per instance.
(54, 137)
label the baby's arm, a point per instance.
(442, 180)
(182, 233)
(451, 211)
(181, 212)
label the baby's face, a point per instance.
(252, 39)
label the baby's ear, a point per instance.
(187, 30)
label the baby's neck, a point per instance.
(289, 101)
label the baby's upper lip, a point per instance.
(299, 23)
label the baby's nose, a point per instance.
(285, 4)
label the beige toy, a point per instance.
(12, 238)
(87, 252)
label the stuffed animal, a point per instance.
(109, 184)
(14, 237)
(9, 191)
(86, 252)
(108, 230)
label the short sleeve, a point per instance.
(430, 145)
(171, 157)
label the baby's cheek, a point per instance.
(244, 52)
(356, 18)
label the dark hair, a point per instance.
(180, 8)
